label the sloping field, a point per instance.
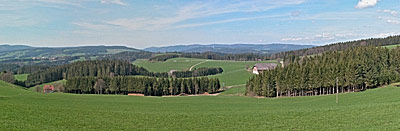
(391, 46)
(235, 72)
(21, 77)
(375, 109)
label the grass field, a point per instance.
(21, 77)
(391, 46)
(375, 109)
(235, 72)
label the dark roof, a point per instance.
(265, 66)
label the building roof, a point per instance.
(48, 87)
(265, 66)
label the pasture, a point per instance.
(392, 46)
(375, 109)
(235, 72)
(21, 77)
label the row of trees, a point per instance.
(163, 57)
(203, 71)
(104, 68)
(126, 56)
(95, 68)
(149, 86)
(354, 69)
(221, 56)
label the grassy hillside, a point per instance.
(375, 109)
(29, 53)
(21, 77)
(170, 64)
(235, 72)
(392, 46)
(41, 86)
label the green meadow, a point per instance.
(235, 72)
(21, 77)
(375, 109)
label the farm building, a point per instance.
(48, 89)
(259, 67)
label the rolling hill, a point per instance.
(8, 48)
(230, 48)
(375, 109)
(34, 55)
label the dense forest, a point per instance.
(354, 69)
(220, 56)
(95, 68)
(126, 56)
(391, 40)
(101, 68)
(163, 57)
(22, 69)
(203, 71)
(149, 86)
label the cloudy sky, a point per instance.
(145, 23)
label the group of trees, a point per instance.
(203, 71)
(353, 69)
(221, 56)
(126, 56)
(164, 57)
(104, 68)
(22, 69)
(7, 76)
(149, 86)
(95, 68)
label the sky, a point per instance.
(147, 23)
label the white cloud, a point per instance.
(295, 39)
(383, 35)
(226, 21)
(64, 2)
(92, 26)
(199, 10)
(393, 21)
(366, 3)
(392, 12)
(324, 37)
(118, 2)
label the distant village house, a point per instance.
(48, 89)
(259, 67)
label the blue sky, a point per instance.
(146, 23)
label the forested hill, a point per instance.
(7, 48)
(29, 52)
(351, 70)
(230, 48)
(94, 68)
(392, 40)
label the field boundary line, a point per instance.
(190, 69)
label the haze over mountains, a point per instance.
(230, 48)
(218, 48)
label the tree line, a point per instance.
(353, 69)
(95, 68)
(163, 57)
(149, 86)
(126, 56)
(221, 56)
(104, 68)
(203, 71)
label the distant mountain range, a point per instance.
(230, 48)
(5, 48)
(24, 52)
